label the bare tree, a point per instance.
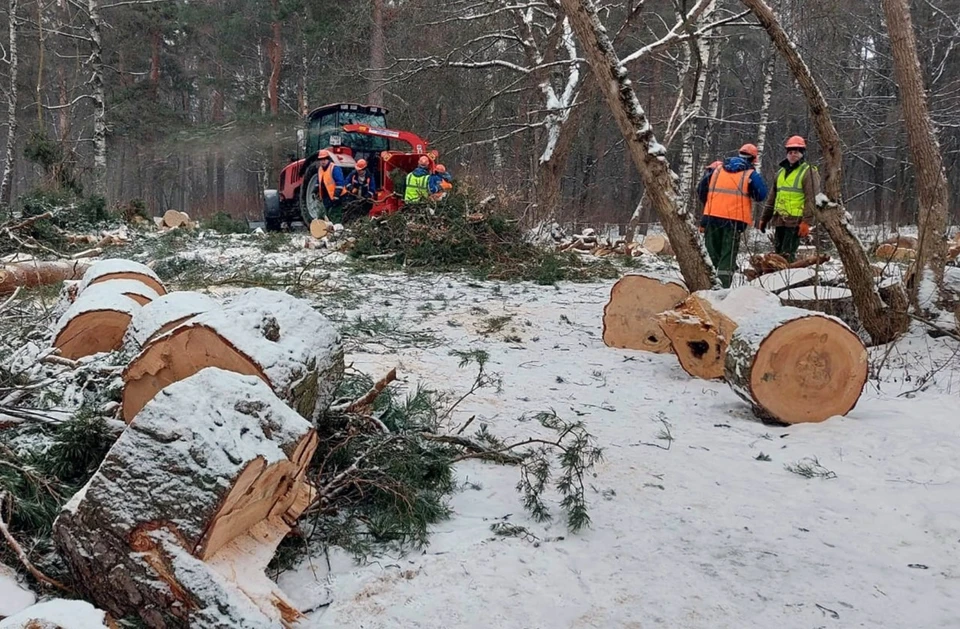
(648, 154)
(884, 322)
(932, 186)
(12, 59)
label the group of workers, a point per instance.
(728, 189)
(346, 198)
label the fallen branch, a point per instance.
(10, 299)
(21, 555)
(368, 397)
(27, 222)
(476, 450)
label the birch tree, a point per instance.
(6, 181)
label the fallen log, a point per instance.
(658, 244)
(630, 317)
(174, 218)
(892, 253)
(320, 228)
(33, 273)
(902, 242)
(787, 278)
(701, 327)
(795, 366)
(119, 269)
(829, 300)
(96, 322)
(134, 289)
(768, 263)
(59, 614)
(165, 313)
(231, 459)
(272, 335)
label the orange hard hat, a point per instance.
(441, 168)
(323, 154)
(361, 164)
(749, 149)
(424, 161)
(796, 142)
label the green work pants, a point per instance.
(786, 240)
(723, 243)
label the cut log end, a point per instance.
(320, 228)
(630, 317)
(798, 367)
(144, 279)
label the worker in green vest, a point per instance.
(790, 209)
(418, 188)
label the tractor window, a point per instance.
(319, 132)
(363, 143)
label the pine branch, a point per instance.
(21, 555)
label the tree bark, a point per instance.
(768, 70)
(6, 180)
(883, 322)
(95, 61)
(378, 55)
(647, 153)
(932, 186)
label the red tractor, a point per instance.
(349, 132)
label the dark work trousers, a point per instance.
(786, 240)
(723, 244)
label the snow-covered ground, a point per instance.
(689, 532)
(692, 528)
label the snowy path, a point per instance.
(698, 535)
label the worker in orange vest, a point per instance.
(727, 193)
(439, 183)
(361, 190)
(330, 186)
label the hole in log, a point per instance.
(653, 339)
(699, 348)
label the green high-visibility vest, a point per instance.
(417, 189)
(790, 197)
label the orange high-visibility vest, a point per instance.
(326, 180)
(728, 196)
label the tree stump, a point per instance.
(795, 366)
(830, 300)
(784, 279)
(630, 317)
(166, 313)
(118, 269)
(320, 228)
(187, 508)
(96, 322)
(32, 273)
(701, 327)
(268, 334)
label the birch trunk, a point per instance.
(6, 183)
(883, 322)
(377, 55)
(647, 153)
(768, 69)
(932, 186)
(713, 104)
(691, 112)
(94, 30)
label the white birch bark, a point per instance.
(768, 69)
(95, 29)
(6, 183)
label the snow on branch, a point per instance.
(676, 35)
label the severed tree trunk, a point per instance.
(119, 269)
(274, 336)
(231, 460)
(700, 328)
(60, 613)
(648, 154)
(165, 313)
(6, 179)
(932, 186)
(39, 273)
(830, 300)
(630, 317)
(884, 322)
(795, 366)
(96, 322)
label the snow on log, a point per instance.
(14, 596)
(119, 269)
(700, 328)
(796, 366)
(134, 289)
(787, 278)
(189, 505)
(658, 244)
(96, 322)
(827, 299)
(630, 317)
(59, 614)
(31, 273)
(272, 335)
(166, 313)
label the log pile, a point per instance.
(630, 317)
(588, 242)
(174, 219)
(904, 249)
(232, 460)
(772, 263)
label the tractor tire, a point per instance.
(271, 211)
(311, 208)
